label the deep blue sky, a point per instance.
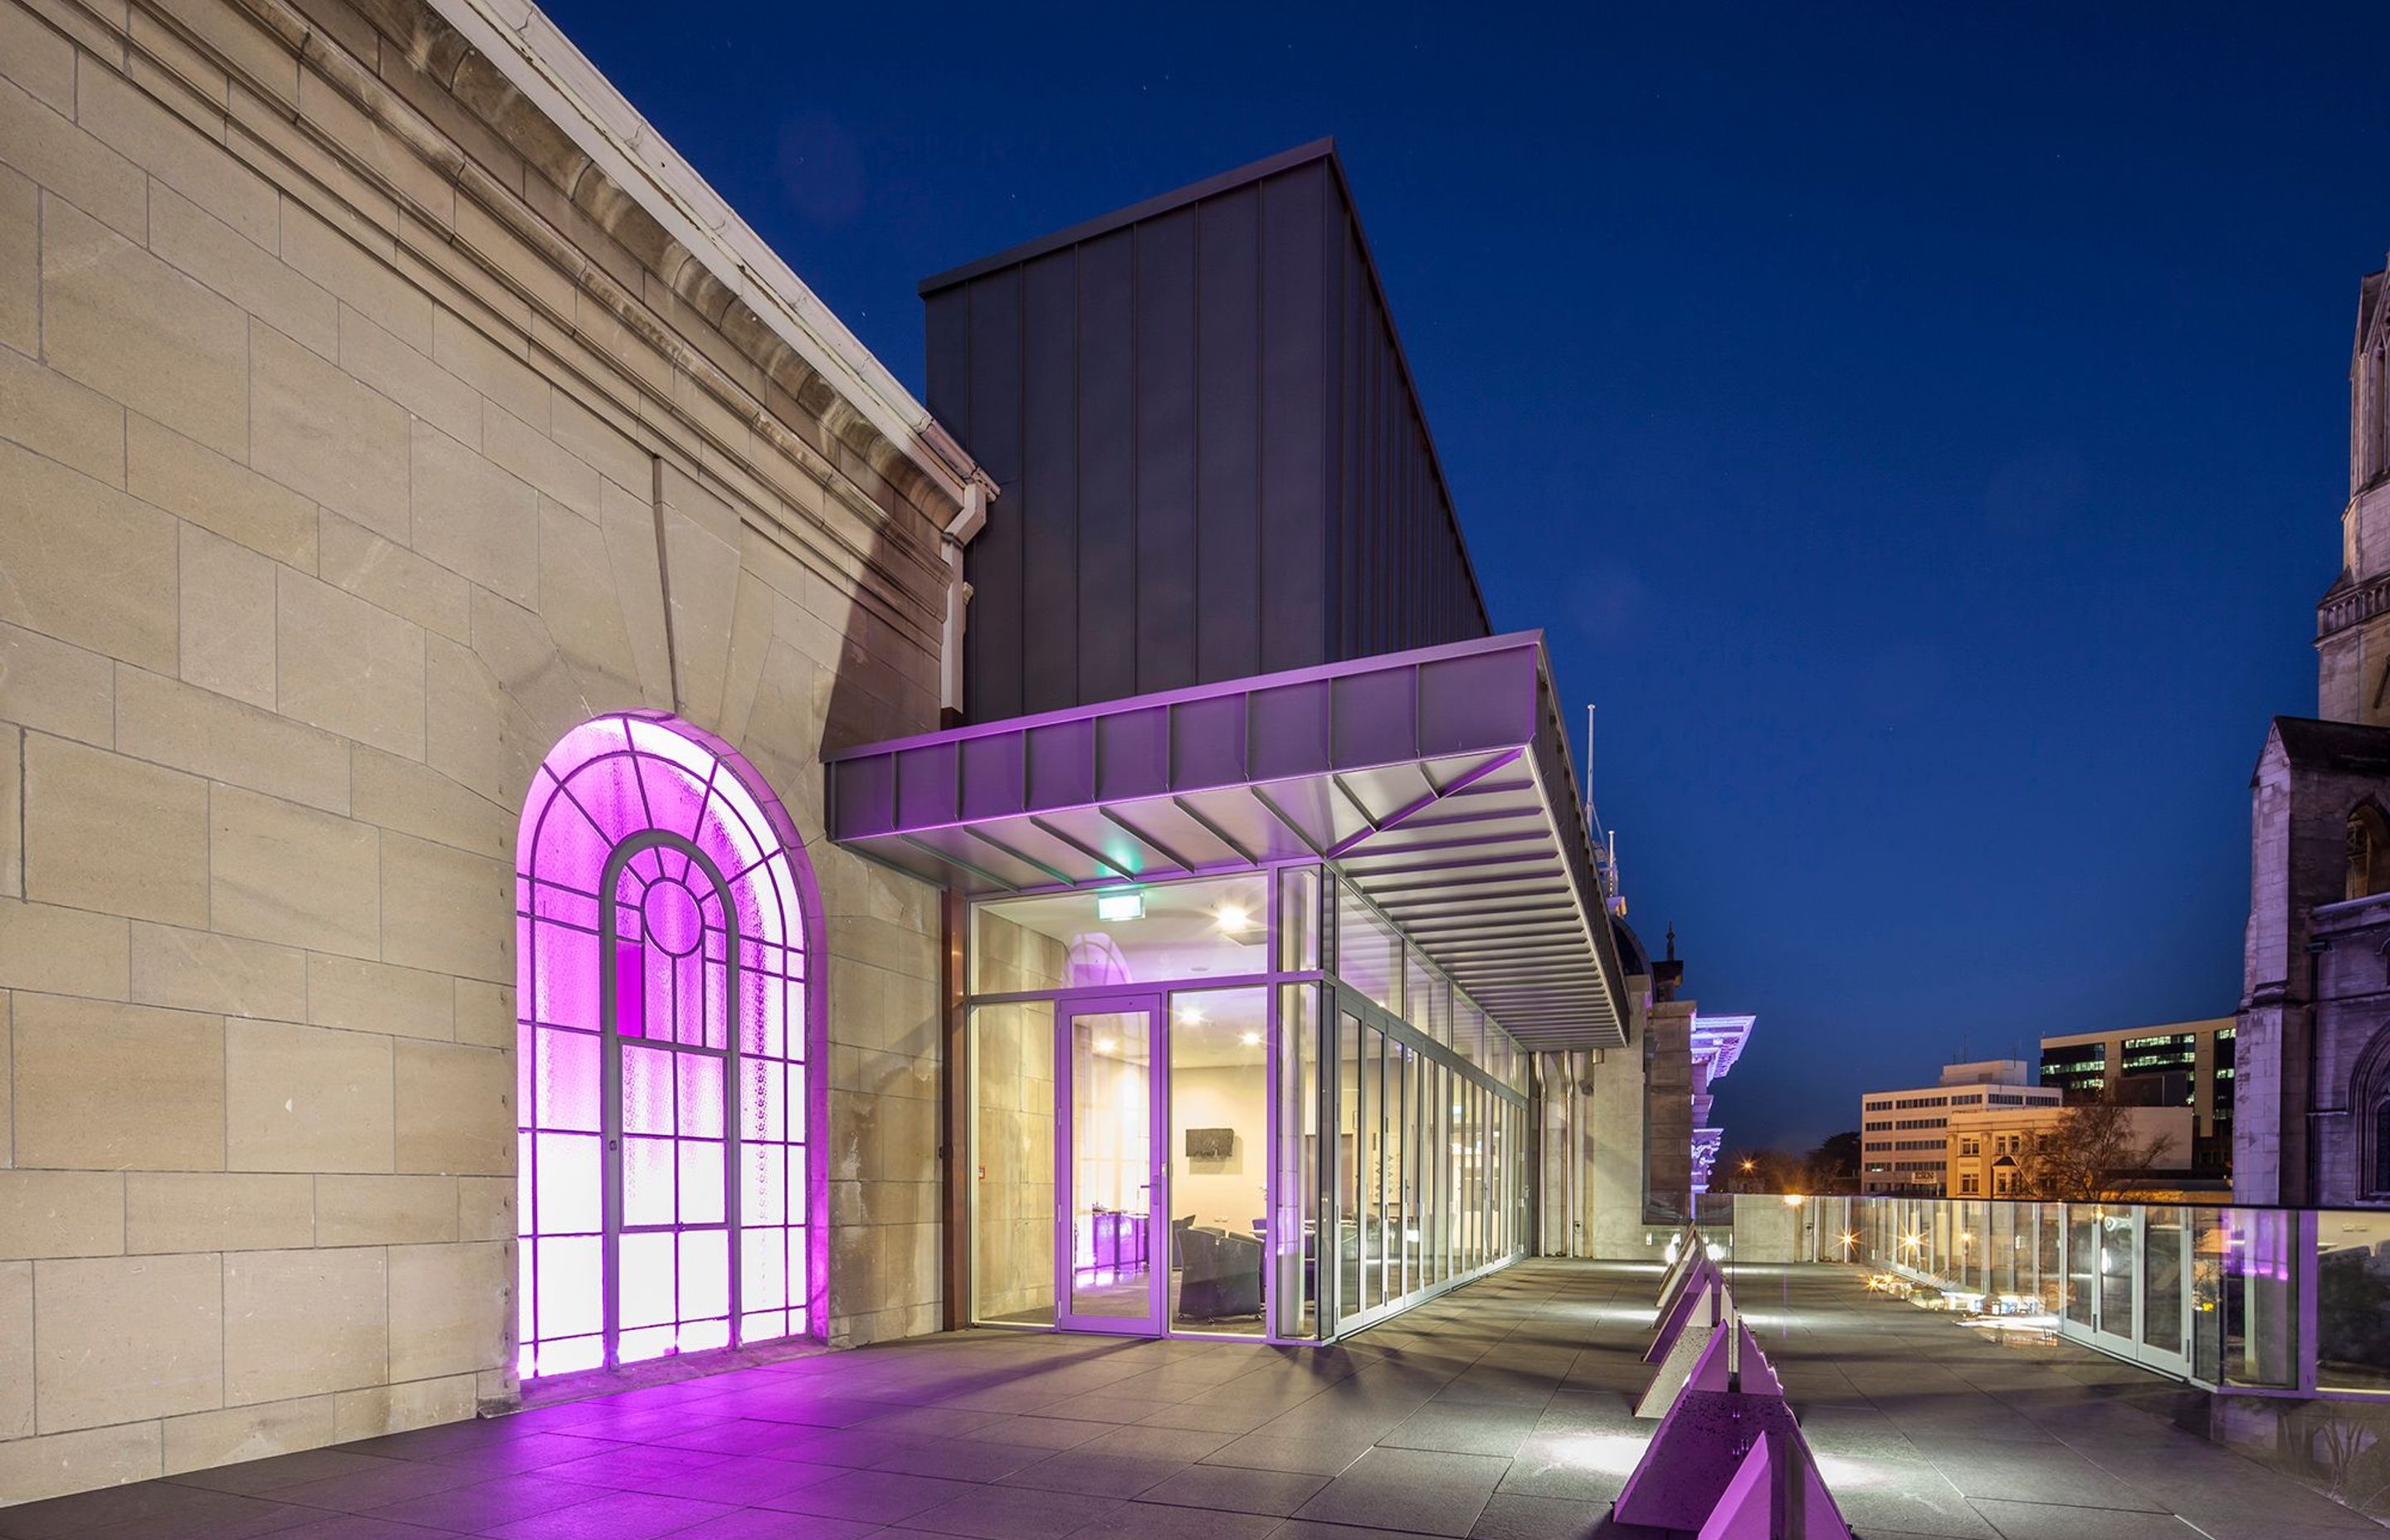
(1921, 429)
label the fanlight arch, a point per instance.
(666, 1035)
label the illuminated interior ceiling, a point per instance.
(1436, 781)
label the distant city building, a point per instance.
(2187, 1064)
(2311, 1113)
(1904, 1136)
(1717, 1043)
(1989, 1146)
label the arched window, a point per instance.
(662, 1041)
(2369, 852)
(2381, 1149)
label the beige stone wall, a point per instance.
(357, 438)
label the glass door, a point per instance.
(2165, 1259)
(1112, 1254)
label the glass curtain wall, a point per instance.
(1343, 1131)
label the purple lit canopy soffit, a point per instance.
(1436, 781)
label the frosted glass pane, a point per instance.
(763, 1195)
(524, 1275)
(647, 1287)
(657, 986)
(700, 1095)
(700, 1182)
(704, 1336)
(763, 1325)
(637, 1347)
(759, 1100)
(633, 1009)
(673, 791)
(648, 1180)
(568, 1357)
(609, 787)
(796, 1103)
(758, 1022)
(571, 1282)
(704, 1274)
(710, 977)
(567, 977)
(564, 1080)
(646, 1090)
(762, 1268)
(571, 1184)
(796, 1279)
(799, 1192)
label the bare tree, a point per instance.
(2089, 1154)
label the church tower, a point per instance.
(2311, 1107)
(2353, 621)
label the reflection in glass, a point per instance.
(1298, 918)
(1165, 932)
(2117, 1247)
(1219, 1104)
(2082, 1256)
(1112, 1165)
(1299, 1217)
(2162, 1261)
(1348, 1163)
(1012, 1103)
(1369, 951)
(2352, 1281)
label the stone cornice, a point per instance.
(2344, 607)
(719, 255)
(426, 194)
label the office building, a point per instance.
(1904, 1136)
(2179, 1064)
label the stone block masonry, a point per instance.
(358, 437)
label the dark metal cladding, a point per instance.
(1212, 459)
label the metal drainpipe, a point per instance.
(966, 525)
(1574, 1063)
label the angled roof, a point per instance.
(1431, 780)
(2318, 744)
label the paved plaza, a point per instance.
(1500, 1411)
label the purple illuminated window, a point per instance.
(664, 1027)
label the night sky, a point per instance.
(1920, 429)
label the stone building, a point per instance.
(512, 864)
(2311, 1106)
(382, 407)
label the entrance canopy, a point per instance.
(1436, 782)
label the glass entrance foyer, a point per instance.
(1151, 1066)
(1251, 973)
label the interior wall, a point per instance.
(1230, 1192)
